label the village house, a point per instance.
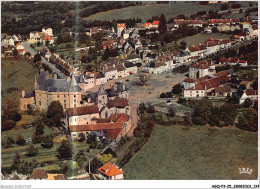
(110, 72)
(224, 91)
(224, 27)
(20, 49)
(155, 67)
(134, 58)
(85, 115)
(206, 87)
(182, 57)
(46, 38)
(249, 93)
(120, 28)
(39, 174)
(110, 171)
(232, 61)
(130, 68)
(121, 70)
(201, 69)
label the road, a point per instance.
(26, 45)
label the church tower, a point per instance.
(102, 97)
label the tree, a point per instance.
(224, 6)
(183, 45)
(7, 124)
(81, 158)
(20, 140)
(255, 85)
(150, 108)
(17, 162)
(10, 141)
(248, 103)
(31, 151)
(81, 137)
(106, 54)
(162, 24)
(39, 129)
(65, 150)
(47, 141)
(141, 108)
(248, 120)
(215, 30)
(15, 52)
(177, 89)
(143, 78)
(36, 139)
(105, 158)
(162, 95)
(235, 6)
(37, 58)
(55, 112)
(92, 140)
(171, 112)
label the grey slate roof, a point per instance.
(101, 90)
(57, 85)
(129, 64)
(29, 94)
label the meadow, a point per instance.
(146, 12)
(16, 75)
(197, 152)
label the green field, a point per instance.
(201, 38)
(16, 75)
(198, 152)
(149, 10)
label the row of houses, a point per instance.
(204, 81)
(197, 51)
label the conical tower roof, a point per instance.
(101, 90)
(73, 85)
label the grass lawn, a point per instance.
(201, 38)
(198, 152)
(17, 75)
(151, 9)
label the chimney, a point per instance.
(123, 87)
(23, 93)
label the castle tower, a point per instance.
(102, 97)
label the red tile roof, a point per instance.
(119, 102)
(204, 78)
(83, 110)
(119, 25)
(155, 22)
(250, 92)
(39, 174)
(119, 117)
(223, 59)
(211, 83)
(103, 120)
(233, 60)
(110, 169)
(201, 65)
(242, 61)
(113, 134)
(96, 127)
(189, 80)
(222, 73)
(225, 89)
(47, 37)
